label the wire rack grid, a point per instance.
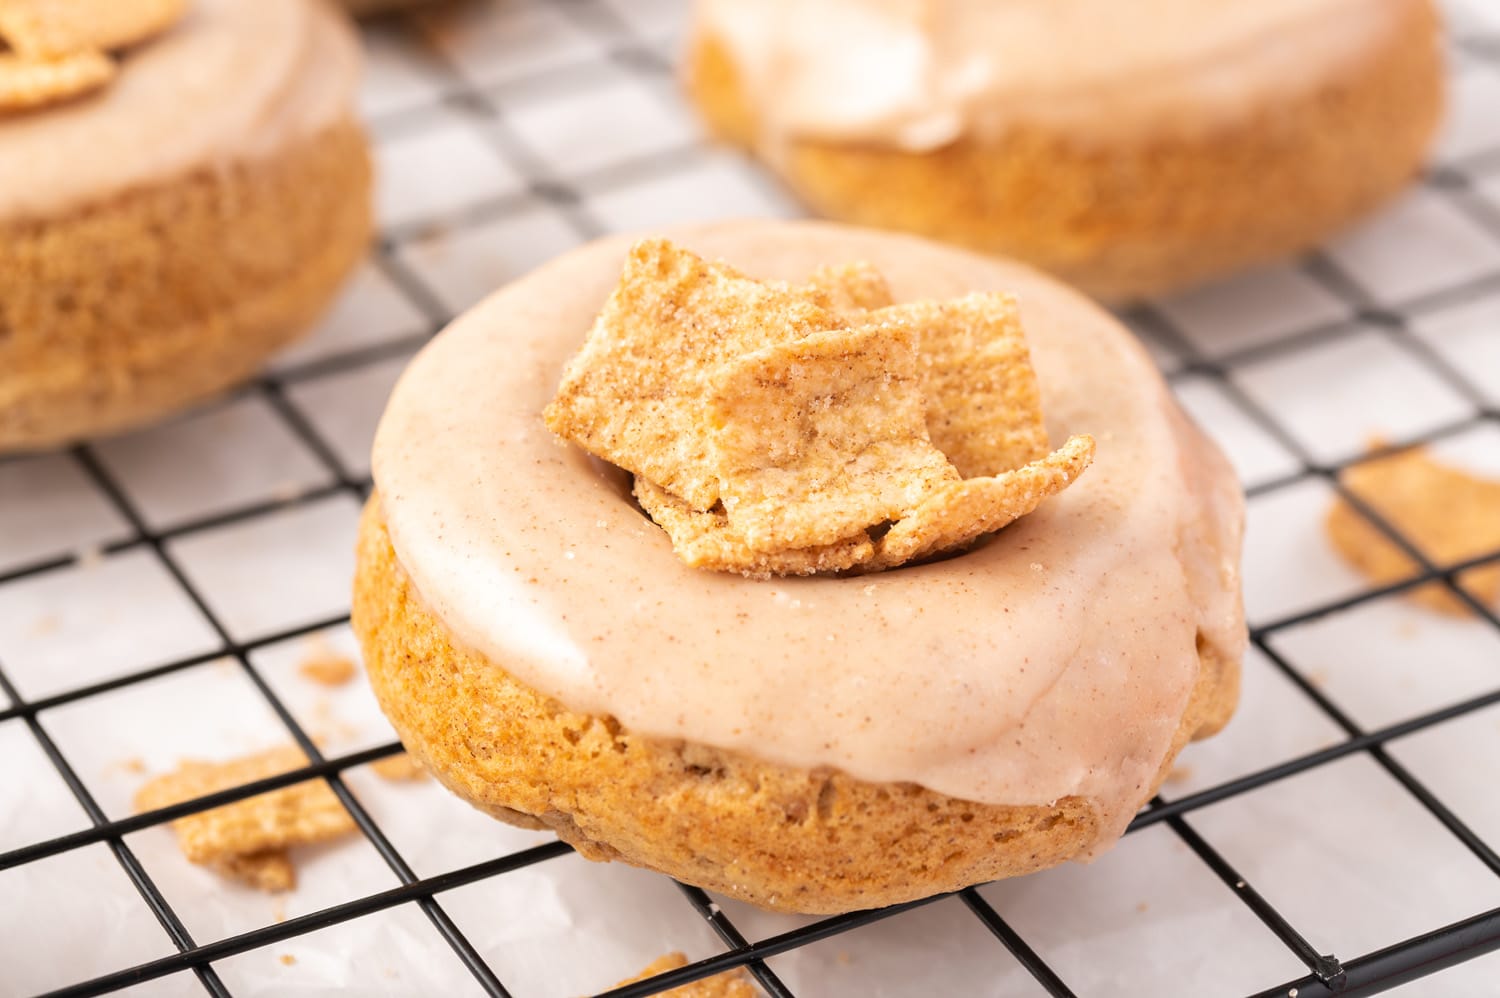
(520, 129)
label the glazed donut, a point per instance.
(810, 744)
(163, 235)
(1129, 148)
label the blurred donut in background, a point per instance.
(1127, 148)
(176, 206)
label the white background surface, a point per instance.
(578, 130)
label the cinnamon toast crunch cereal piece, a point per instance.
(849, 289)
(50, 29)
(984, 408)
(772, 429)
(27, 83)
(706, 540)
(730, 984)
(821, 437)
(1449, 514)
(299, 814)
(961, 512)
(634, 394)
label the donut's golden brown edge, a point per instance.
(1128, 217)
(813, 841)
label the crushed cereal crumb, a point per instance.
(1445, 512)
(133, 765)
(247, 840)
(730, 984)
(328, 668)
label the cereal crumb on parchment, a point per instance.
(1446, 512)
(134, 766)
(247, 841)
(328, 668)
(730, 984)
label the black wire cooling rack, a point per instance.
(1440, 947)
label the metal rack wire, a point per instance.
(1326, 974)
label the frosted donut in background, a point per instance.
(1128, 148)
(164, 234)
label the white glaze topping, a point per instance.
(1055, 660)
(918, 74)
(234, 79)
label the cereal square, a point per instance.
(984, 407)
(634, 394)
(818, 439)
